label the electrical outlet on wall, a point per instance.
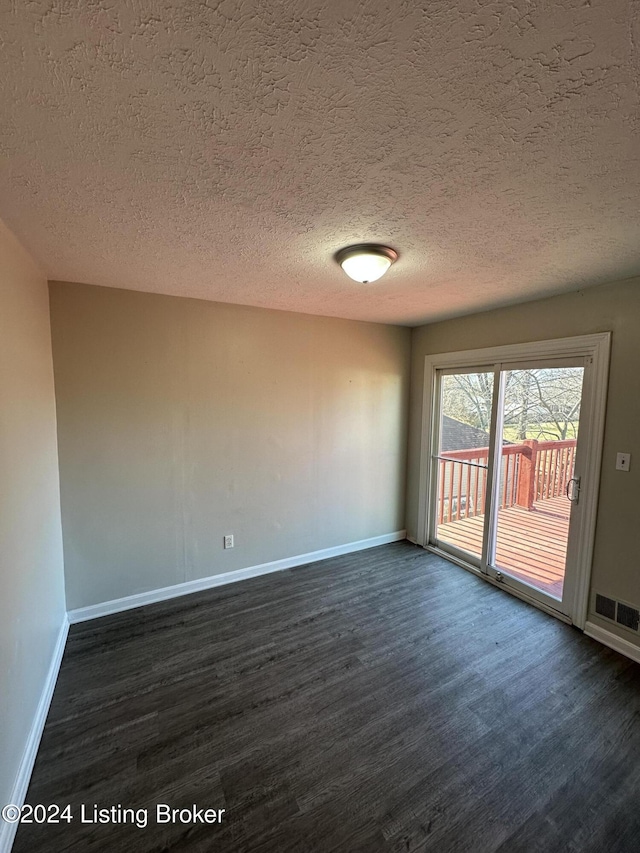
(228, 540)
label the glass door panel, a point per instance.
(511, 443)
(461, 460)
(538, 425)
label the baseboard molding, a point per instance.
(21, 785)
(95, 611)
(614, 642)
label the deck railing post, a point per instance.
(525, 494)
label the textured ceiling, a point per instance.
(226, 150)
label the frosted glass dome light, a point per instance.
(366, 262)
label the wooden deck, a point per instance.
(531, 545)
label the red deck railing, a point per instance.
(531, 471)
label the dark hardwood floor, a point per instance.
(382, 701)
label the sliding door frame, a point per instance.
(595, 349)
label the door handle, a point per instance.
(573, 494)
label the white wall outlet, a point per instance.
(228, 541)
(623, 461)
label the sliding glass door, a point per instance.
(504, 485)
(538, 427)
(462, 460)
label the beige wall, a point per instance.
(180, 421)
(613, 307)
(32, 607)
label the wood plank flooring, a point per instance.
(531, 545)
(381, 701)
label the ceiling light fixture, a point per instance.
(366, 262)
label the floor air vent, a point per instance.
(623, 614)
(628, 616)
(606, 606)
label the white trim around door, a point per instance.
(595, 349)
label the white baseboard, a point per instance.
(21, 785)
(117, 605)
(612, 640)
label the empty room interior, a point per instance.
(319, 426)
